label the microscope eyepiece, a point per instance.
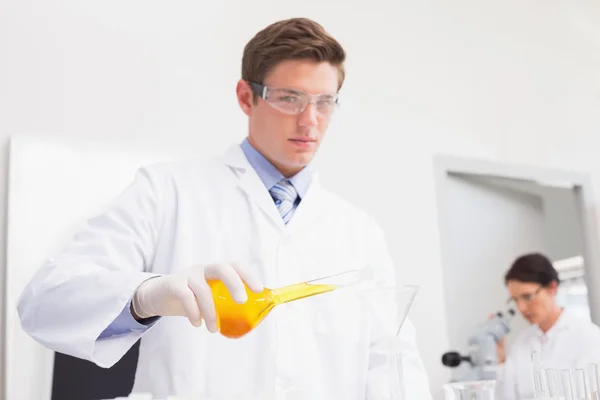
(453, 359)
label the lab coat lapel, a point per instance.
(252, 185)
(309, 208)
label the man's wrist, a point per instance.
(141, 320)
(138, 308)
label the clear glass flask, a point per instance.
(235, 320)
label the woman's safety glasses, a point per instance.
(526, 298)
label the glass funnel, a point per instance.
(475, 390)
(388, 308)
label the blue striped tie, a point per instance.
(284, 195)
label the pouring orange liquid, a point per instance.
(234, 320)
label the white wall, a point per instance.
(561, 214)
(563, 226)
(512, 80)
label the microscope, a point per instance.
(482, 356)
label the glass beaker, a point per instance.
(235, 320)
(475, 390)
(594, 381)
(387, 308)
(579, 384)
(540, 381)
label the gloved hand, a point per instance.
(188, 294)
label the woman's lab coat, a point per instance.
(571, 343)
(174, 216)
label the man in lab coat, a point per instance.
(563, 340)
(257, 215)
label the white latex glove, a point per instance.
(187, 293)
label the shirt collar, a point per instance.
(269, 175)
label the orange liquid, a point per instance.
(235, 320)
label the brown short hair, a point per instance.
(290, 39)
(532, 268)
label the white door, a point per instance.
(484, 227)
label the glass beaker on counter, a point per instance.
(474, 390)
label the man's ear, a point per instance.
(245, 96)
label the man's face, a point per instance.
(533, 301)
(286, 138)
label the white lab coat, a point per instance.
(177, 215)
(571, 343)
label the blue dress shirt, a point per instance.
(271, 175)
(125, 323)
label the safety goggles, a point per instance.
(525, 298)
(294, 102)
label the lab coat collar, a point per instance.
(563, 322)
(254, 187)
(235, 158)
